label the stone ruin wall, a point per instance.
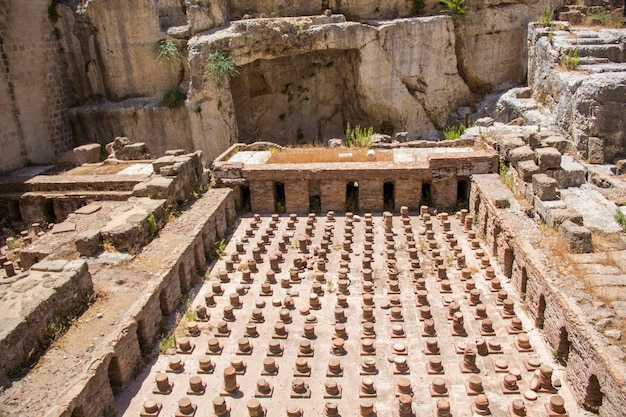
(42, 299)
(100, 79)
(588, 103)
(587, 356)
(195, 232)
(35, 93)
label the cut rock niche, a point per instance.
(297, 99)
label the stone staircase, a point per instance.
(53, 197)
(599, 51)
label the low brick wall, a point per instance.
(176, 257)
(507, 232)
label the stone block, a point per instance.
(595, 149)
(89, 242)
(171, 170)
(485, 122)
(86, 154)
(163, 162)
(523, 153)
(548, 158)
(558, 142)
(571, 173)
(544, 187)
(578, 238)
(556, 217)
(543, 208)
(620, 167)
(160, 187)
(506, 144)
(526, 170)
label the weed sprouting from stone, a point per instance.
(546, 16)
(571, 60)
(358, 137)
(454, 8)
(166, 50)
(453, 132)
(220, 67)
(620, 218)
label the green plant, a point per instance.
(505, 177)
(13, 243)
(601, 15)
(166, 50)
(455, 8)
(453, 132)
(571, 60)
(217, 250)
(280, 207)
(620, 218)
(173, 98)
(220, 67)
(152, 224)
(359, 137)
(546, 16)
(190, 312)
(167, 342)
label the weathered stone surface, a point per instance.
(547, 158)
(87, 154)
(527, 169)
(595, 151)
(423, 88)
(544, 187)
(570, 174)
(492, 54)
(61, 284)
(507, 143)
(485, 122)
(160, 187)
(578, 238)
(523, 153)
(89, 242)
(557, 216)
(589, 103)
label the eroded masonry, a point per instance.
(198, 220)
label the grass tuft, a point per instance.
(453, 132)
(220, 67)
(358, 137)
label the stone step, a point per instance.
(595, 41)
(602, 67)
(613, 53)
(92, 195)
(590, 60)
(70, 183)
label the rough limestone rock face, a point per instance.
(304, 79)
(143, 120)
(491, 42)
(588, 103)
(111, 56)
